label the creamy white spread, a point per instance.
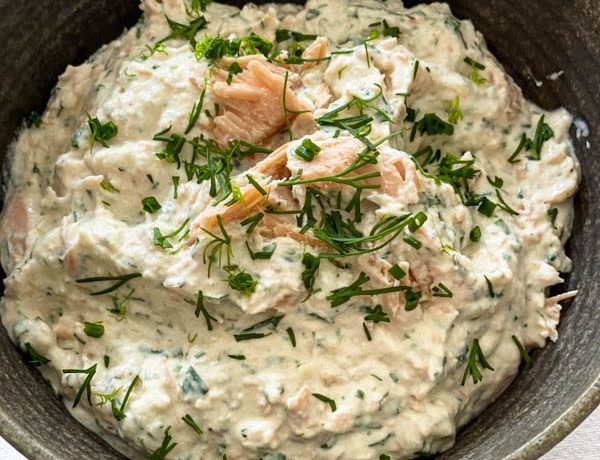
(266, 357)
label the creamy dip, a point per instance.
(286, 232)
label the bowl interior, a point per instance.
(532, 39)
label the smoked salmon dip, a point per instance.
(286, 232)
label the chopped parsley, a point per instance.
(454, 112)
(376, 314)
(217, 47)
(242, 281)
(150, 204)
(432, 125)
(100, 132)
(543, 132)
(181, 31)
(95, 330)
(475, 234)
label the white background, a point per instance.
(582, 444)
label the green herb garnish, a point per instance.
(475, 68)
(100, 132)
(490, 287)
(150, 204)
(475, 356)
(342, 295)
(196, 110)
(200, 308)
(432, 125)
(327, 400)
(292, 336)
(454, 112)
(265, 254)
(311, 265)
(120, 281)
(441, 290)
(214, 249)
(307, 150)
(242, 281)
(95, 330)
(522, 351)
(164, 449)
(397, 272)
(189, 421)
(35, 358)
(250, 336)
(552, 214)
(86, 386)
(252, 221)
(119, 412)
(475, 234)
(376, 314)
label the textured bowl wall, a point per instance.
(532, 39)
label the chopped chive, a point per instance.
(397, 272)
(412, 242)
(486, 207)
(441, 290)
(367, 333)
(490, 287)
(522, 351)
(327, 400)
(475, 234)
(150, 204)
(189, 421)
(255, 184)
(250, 336)
(292, 336)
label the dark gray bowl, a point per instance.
(532, 38)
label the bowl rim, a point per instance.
(533, 449)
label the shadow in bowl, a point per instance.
(532, 40)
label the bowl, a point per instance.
(534, 40)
